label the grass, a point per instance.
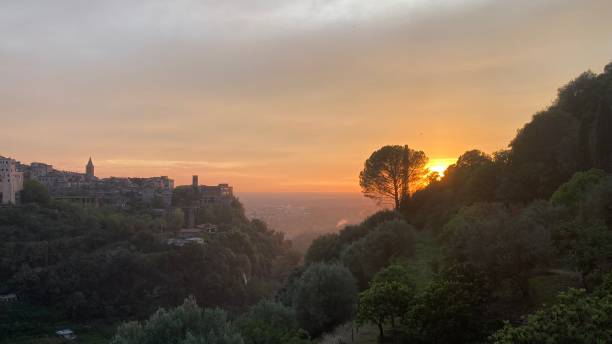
(426, 253)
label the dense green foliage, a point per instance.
(186, 324)
(508, 245)
(583, 236)
(577, 318)
(92, 263)
(271, 323)
(325, 248)
(328, 247)
(570, 193)
(364, 249)
(388, 298)
(34, 192)
(265, 323)
(453, 309)
(376, 250)
(325, 297)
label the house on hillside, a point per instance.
(178, 242)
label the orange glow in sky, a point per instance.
(440, 165)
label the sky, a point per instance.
(280, 95)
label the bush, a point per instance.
(325, 297)
(377, 250)
(186, 324)
(577, 318)
(388, 298)
(453, 309)
(570, 193)
(34, 192)
(270, 322)
(324, 249)
(506, 245)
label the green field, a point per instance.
(427, 253)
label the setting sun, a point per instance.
(440, 165)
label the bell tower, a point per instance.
(89, 170)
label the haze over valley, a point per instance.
(304, 215)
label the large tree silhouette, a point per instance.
(392, 174)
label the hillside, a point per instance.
(74, 265)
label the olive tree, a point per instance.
(325, 297)
(185, 324)
(388, 297)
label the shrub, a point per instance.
(325, 297)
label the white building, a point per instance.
(11, 181)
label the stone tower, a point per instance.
(89, 170)
(191, 212)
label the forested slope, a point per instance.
(86, 264)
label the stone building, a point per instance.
(11, 181)
(208, 194)
(86, 188)
(220, 194)
(38, 170)
(203, 196)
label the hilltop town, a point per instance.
(88, 252)
(86, 188)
